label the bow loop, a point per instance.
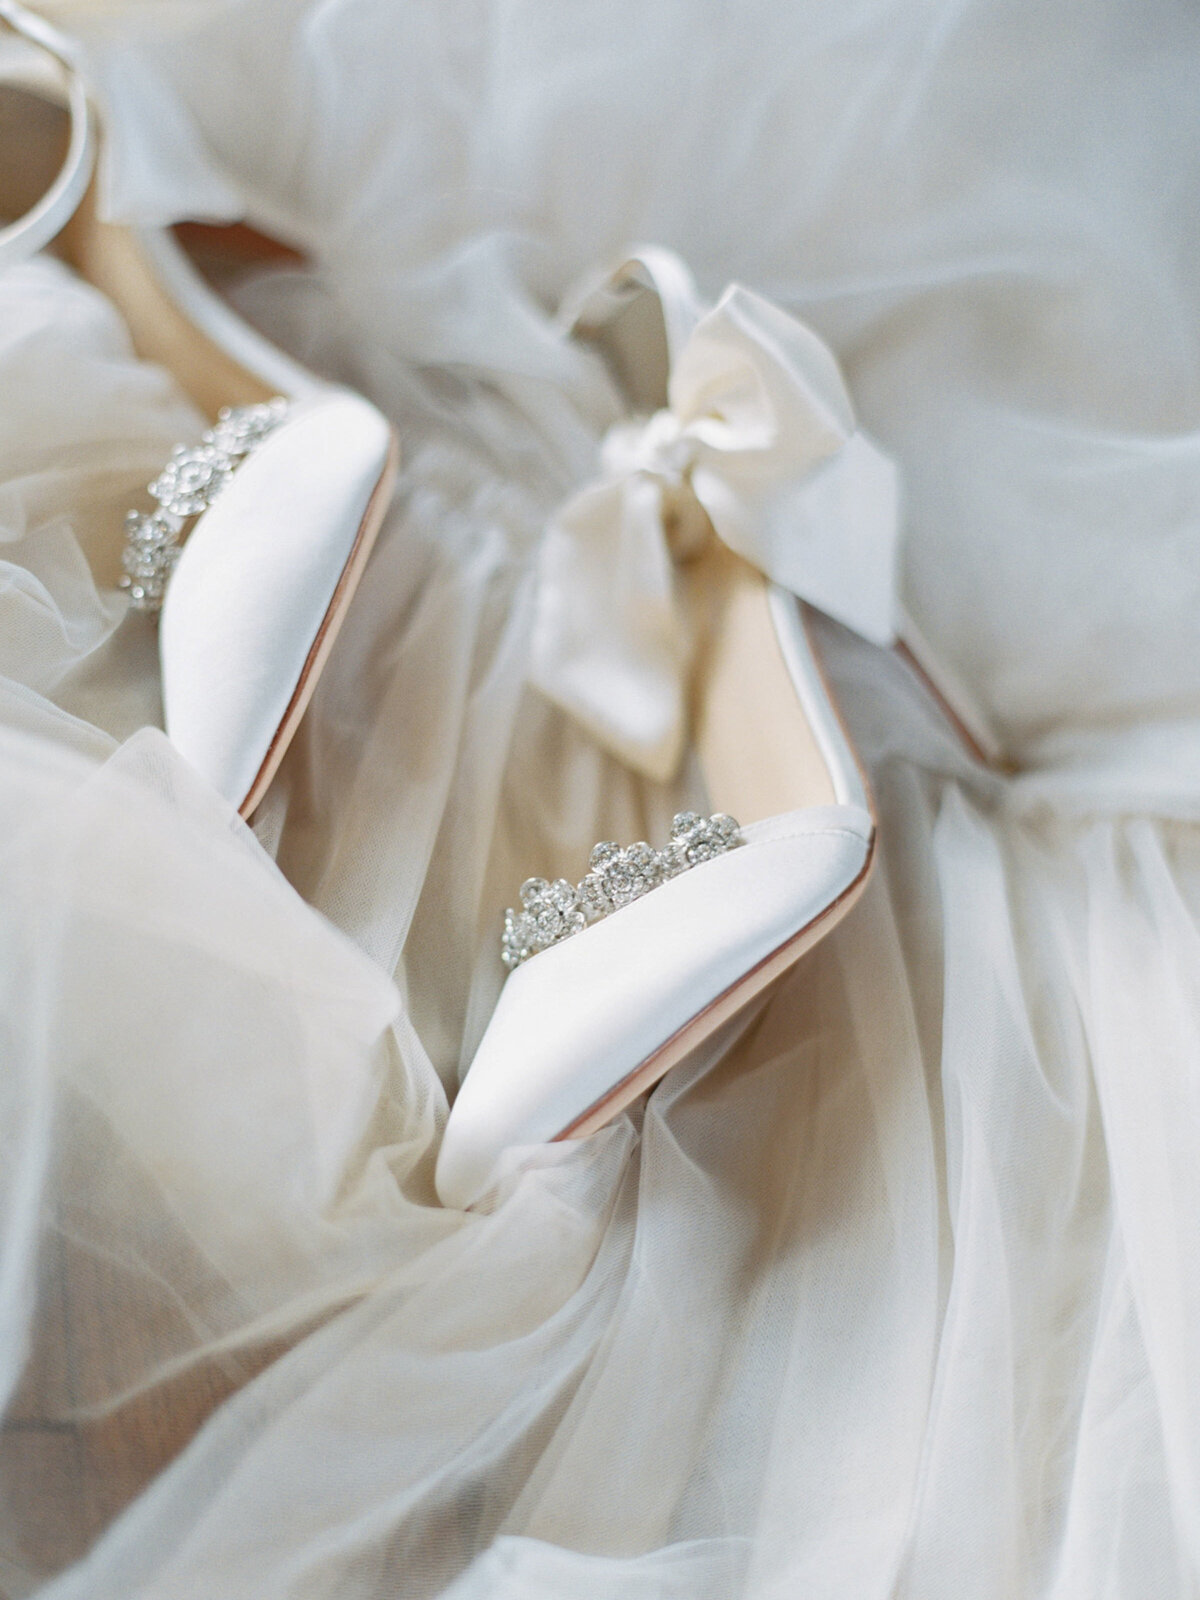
(758, 442)
(753, 378)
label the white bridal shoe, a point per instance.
(281, 498)
(672, 605)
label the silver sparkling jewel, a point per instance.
(237, 431)
(617, 875)
(188, 484)
(191, 480)
(551, 913)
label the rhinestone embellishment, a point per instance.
(191, 479)
(188, 484)
(616, 876)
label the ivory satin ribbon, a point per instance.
(757, 442)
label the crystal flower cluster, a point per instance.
(188, 485)
(617, 875)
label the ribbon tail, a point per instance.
(609, 643)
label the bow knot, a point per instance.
(662, 450)
(756, 444)
(659, 446)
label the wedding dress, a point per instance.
(895, 1292)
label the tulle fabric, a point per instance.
(895, 1292)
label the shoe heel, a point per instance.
(955, 701)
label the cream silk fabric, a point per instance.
(893, 1294)
(757, 441)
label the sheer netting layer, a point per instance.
(895, 1292)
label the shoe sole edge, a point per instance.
(720, 1010)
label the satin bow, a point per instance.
(758, 443)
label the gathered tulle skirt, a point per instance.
(894, 1289)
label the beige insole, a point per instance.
(112, 259)
(757, 748)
